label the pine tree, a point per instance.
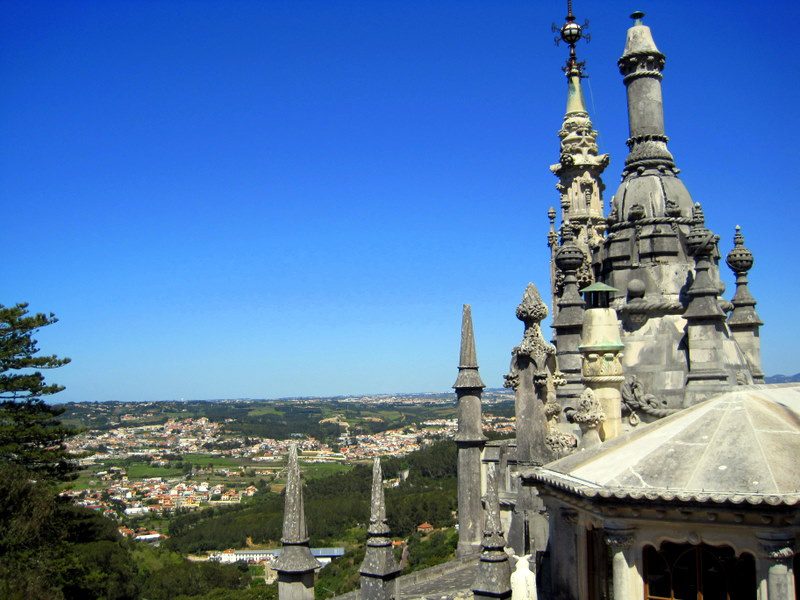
(31, 435)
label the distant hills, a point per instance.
(783, 378)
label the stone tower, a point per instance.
(295, 566)
(579, 170)
(470, 441)
(647, 254)
(379, 570)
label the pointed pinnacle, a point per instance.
(468, 357)
(532, 308)
(294, 519)
(738, 238)
(377, 518)
(468, 376)
(296, 556)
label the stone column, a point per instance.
(601, 348)
(470, 441)
(641, 66)
(619, 543)
(569, 322)
(778, 551)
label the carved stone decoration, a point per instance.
(601, 351)
(636, 398)
(580, 184)
(559, 442)
(619, 542)
(778, 551)
(704, 316)
(533, 364)
(589, 415)
(621, 539)
(744, 321)
(568, 323)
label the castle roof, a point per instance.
(739, 447)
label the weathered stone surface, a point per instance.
(379, 569)
(296, 559)
(468, 376)
(742, 446)
(744, 321)
(494, 570)
(470, 440)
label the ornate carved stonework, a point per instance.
(618, 539)
(602, 367)
(636, 398)
(781, 550)
(589, 411)
(560, 443)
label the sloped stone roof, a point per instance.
(742, 446)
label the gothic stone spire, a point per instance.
(468, 377)
(580, 165)
(296, 556)
(379, 570)
(469, 439)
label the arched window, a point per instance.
(702, 572)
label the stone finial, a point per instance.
(571, 33)
(379, 568)
(532, 309)
(589, 415)
(552, 234)
(296, 556)
(468, 376)
(569, 257)
(639, 37)
(740, 259)
(494, 570)
(744, 321)
(700, 241)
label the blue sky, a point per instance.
(261, 199)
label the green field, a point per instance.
(316, 470)
(206, 460)
(144, 470)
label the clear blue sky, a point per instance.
(260, 199)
